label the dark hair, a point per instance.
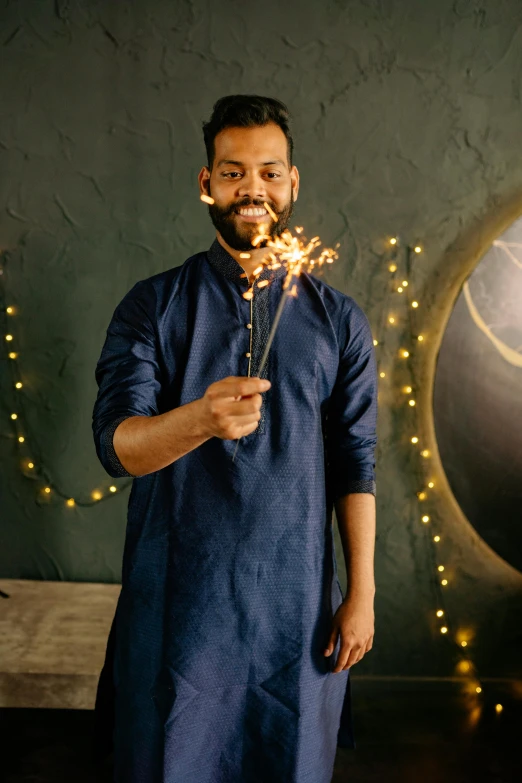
(246, 111)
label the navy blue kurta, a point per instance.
(229, 579)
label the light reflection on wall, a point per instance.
(478, 397)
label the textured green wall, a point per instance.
(408, 121)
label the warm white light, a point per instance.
(407, 390)
(9, 310)
(9, 337)
(18, 385)
(391, 319)
(70, 502)
(414, 304)
(422, 496)
(392, 267)
(47, 490)
(478, 689)
(425, 453)
(415, 439)
(498, 708)
(425, 518)
(431, 484)
(21, 439)
(112, 489)
(96, 495)
(400, 289)
(405, 282)
(411, 402)
(444, 582)
(436, 539)
(420, 338)
(444, 629)
(14, 415)
(418, 249)
(382, 374)
(405, 354)
(393, 241)
(13, 355)
(440, 612)
(440, 568)
(376, 342)
(464, 644)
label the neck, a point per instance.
(248, 264)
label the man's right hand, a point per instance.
(231, 406)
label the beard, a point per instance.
(239, 235)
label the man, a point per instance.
(232, 643)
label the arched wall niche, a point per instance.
(457, 265)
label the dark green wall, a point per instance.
(408, 121)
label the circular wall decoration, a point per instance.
(477, 397)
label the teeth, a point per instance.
(252, 212)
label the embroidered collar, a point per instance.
(228, 266)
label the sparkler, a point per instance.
(292, 252)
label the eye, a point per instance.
(273, 174)
(231, 173)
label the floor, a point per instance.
(406, 732)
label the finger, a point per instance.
(342, 658)
(244, 387)
(356, 655)
(330, 647)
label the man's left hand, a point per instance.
(354, 620)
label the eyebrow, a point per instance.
(239, 163)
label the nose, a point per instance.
(253, 186)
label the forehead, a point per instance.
(256, 145)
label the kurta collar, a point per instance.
(228, 266)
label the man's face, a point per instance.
(250, 167)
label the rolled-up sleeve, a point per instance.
(351, 426)
(127, 373)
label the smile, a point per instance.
(252, 214)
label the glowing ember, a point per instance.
(244, 255)
(270, 211)
(207, 199)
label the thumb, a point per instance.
(331, 643)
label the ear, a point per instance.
(204, 181)
(294, 179)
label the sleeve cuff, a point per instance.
(362, 485)
(112, 462)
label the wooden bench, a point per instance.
(53, 637)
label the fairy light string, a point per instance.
(33, 467)
(426, 487)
